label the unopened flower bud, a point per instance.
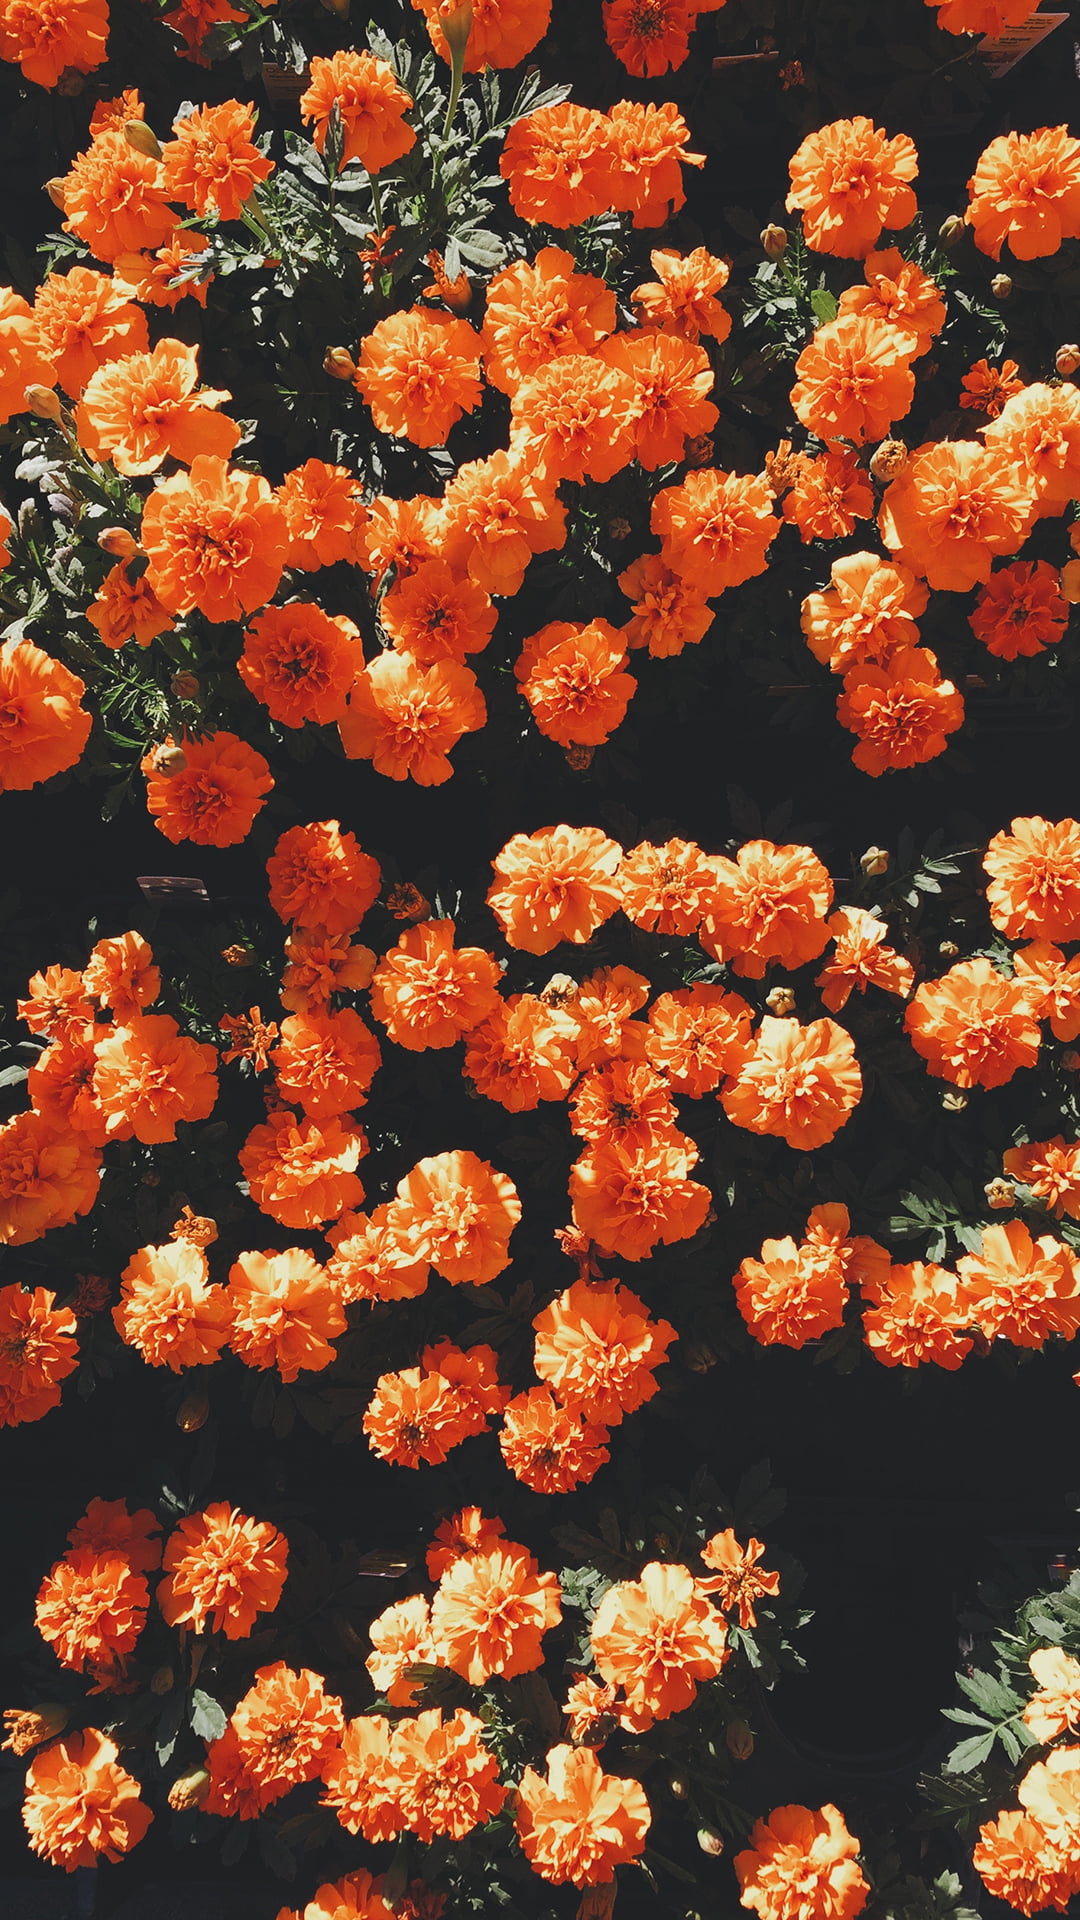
(43, 402)
(1066, 360)
(710, 1842)
(948, 949)
(143, 139)
(189, 1791)
(619, 529)
(55, 190)
(678, 1786)
(955, 1100)
(739, 1740)
(889, 461)
(951, 231)
(874, 861)
(1000, 1194)
(1001, 286)
(339, 363)
(30, 1728)
(184, 686)
(194, 1409)
(162, 1681)
(237, 956)
(168, 759)
(774, 241)
(118, 542)
(781, 1001)
(456, 19)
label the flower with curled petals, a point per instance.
(370, 106)
(501, 34)
(627, 1198)
(1018, 1862)
(558, 164)
(1034, 890)
(491, 1612)
(696, 1035)
(973, 1026)
(120, 974)
(1051, 1168)
(797, 1082)
(716, 528)
(1053, 985)
(168, 1311)
(319, 877)
(38, 1349)
(428, 993)
(853, 379)
(213, 165)
(91, 1608)
(281, 1734)
(302, 1172)
(549, 1447)
(43, 726)
(80, 1806)
(84, 319)
(108, 1527)
(538, 310)
(285, 1313)
(656, 1638)
(325, 515)
(801, 1865)
(147, 408)
(458, 1212)
(849, 181)
(739, 1581)
(405, 718)
(215, 538)
(558, 884)
(955, 506)
(867, 613)
(597, 1348)
(681, 299)
(650, 143)
(860, 959)
(523, 1052)
(668, 612)
(362, 1781)
(578, 1824)
(573, 677)
(401, 1639)
(1020, 611)
(898, 291)
(1022, 1290)
(416, 1416)
(767, 906)
(1054, 1708)
(47, 1178)
(326, 1061)
(222, 1570)
(449, 1780)
(901, 713)
(1026, 189)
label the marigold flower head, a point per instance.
(572, 677)
(522, 1053)
(301, 663)
(324, 513)
(649, 37)
(406, 718)
(597, 1348)
(498, 513)
(281, 1734)
(1026, 190)
(624, 1102)
(986, 388)
(362, 1781)
(501, 32)
(579, 1823)
(973, 1026)
(1039, 428)
(860, 959)
(1021, 1290)
(549, 1447)
(849, 181)
(372, 1260)
(113, 198)
(320, 878)
(148, 1075)
(919, 1313)
(399, 534)
(401, 1640)
(1020, 611)
(867, 614)
(539, 310)
(982, 16)
(91, 1608)
(325, 1062)
(669, 612)
(28, 1728)
(302, 1172)
(458, 1212)
(656, 1638)
(168, 1311)
(222, 1570)
(60, 1084)
(898, 291)
(213, 166)
(449, 1780)
(428, 993)
(794, 1293)
(43, 727)
(1055, 1708)
(902, 712)
(1034, 888)
(419, 372)
(23, 358)
(215, 538)
(370, 103)
(83, 320)
(107, 1527)
(801, 1865)
(650, 142)
(767, 905)
(828, 495)
(739, 1581)
(672, 380)
(47, 1178)
(56, 1002)
(1018, 1862)
(491, 1612)
(51, 37)
(321, 964)
(798, 1082)
(1051, 1168)
(559, 164)
(575, 417)
(953, 508)
(696, 1035)
(434, 613)
(469, 1531)
(120, 974)
(418, 1415)
(602, 1006)
(716, 527)
(681, 300)
(1053, 986)
(558, 884)
(853, 379)
(627, 1198)
(356, 1897)
(285, 1313)
(80, 1806)
(168, 274)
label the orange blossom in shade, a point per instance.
(405, 718)
(537, 311)
(798, 1082)
(215, 538)
(501, 33)
(415, 1417)
(955, 506)
(696, 1035)
(168, 1312)
(116, 113)
(362, 1782)
(1053, 986)
(498, 513)
(80, 1806)
(491, 1612)
(473, 1372)
(768, 906)
(801, 1865)
(575, 418)
(902, 712)
(23, 357)
(301, 663)
(672, 380)
(656, 1638)
(597, 1348)
(284, 1312)
(1055, 1708)
(222, 1570)
(56, 1002)
(370, 103)
(279, 1735)
(468, 1531)
(214, 797)
(1019, 1862)
(113, 201)
(434, 613)
(1026, 190)
(558, 884)
(398, 534)
(827, 495)
(120, 974)
(321, 964)
(681, 300)
(867, 613)
(853, 379)
(667, 889)
(602, 1006)
(127, 609)
(47, 1177)
(1034, 889)
(572, 677)
(84, 319)
(739, 1581)
(419, 372)
(38, 1349)
(849, 181)
(578, 1824)
(60, 1085)
(356, 1897)
(320, 878)
(548, 1447)
(918, 1315)
(1051, 1168)
(627, 1198)
(649, 36)
(91, 1608)
(150, 277)
(716, 528)
(326, 1062)
(324, 512)
(625, 1103)
(559, 164)
(447, 1779)
(1020, 611)
(458, 1213)
(148, 408)
(1019, 1289)
(861, 959)
(986, 389)
(148, 1076)
(401, 1639)
(898, 291)
(668, 613)
(982, 16)
(524, 1052)
(302, 1172)
(973, 1026)
(428, 993)
(108, 1527)
(1039, 428)
(589, 1709)
(213, 166)
(51, 37)
(43, 728)
(650, 143)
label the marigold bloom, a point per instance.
(919, 1312)
(321, 964)
(60, 1085)
(828, 495)
(107, 1527)
(401, 1640)
(326, 1061)
(458, 1212)
(1034, 885)
(1049, 1793)
(649, 36)
(902, 712)
(1055, 1708)
(667, 889)
(579, 1823)
(972, 1026)
(428, 993)
(149, 277)
(84, 319)
(498, 513)
(597, 1348)
(213, 166)
(433, 613)
(716, 527)
(419, 372)
(952, 509)
(1026, 190)
(91, 1608)
(668, 611)
(650, 142)
(113, 200)
(362, 1781)
(501, 32)
(672, 380)
(324, 512)
(56, 1004)
(849, 181)
(302, 1172)
(1020, 611)
(768, 905)
(798, 1082)
(681, 300)
(522, 1053)
(417, 1416)
(43, 728)
(861, 959)
(539, 310)
(405, 718)
(982, 16)
(51, 37)
(491, 1612)
(80, 1806)
(320, 878)
(624, 1101)
(399, 534)
(1051, 1168)
(697, 1035)
(301, 663)
(448, 1779)
(548, 1447)
(575, 418)
(866, 614)
(853, 379)
(898, 291)
(801, 1865)
(214, 797)
(23, 358)
(370, 103)
(572, 677)
(739, 1581)
(1039, 428)
(282, 1733)
(1052, 984)
(603, 1006)
(222, 1570)
(47, 1178)
(355, 1897)
(986, 388)
(629, 1198)
(146, 408)
(215, 538)
(285, 1313)
(1019, 1289)
(126, 608)
(149, 1075)
(656, 1638)
(558, 884)
(559, 164)
(1019, 1863)
(794, 1293)
(38, 1349)
(168, 1312)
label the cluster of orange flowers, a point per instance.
(1030, 1856)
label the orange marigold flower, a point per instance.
(469, 1531)
(918, 1316)
(108, 1527)
(83, 320)
(798, 1082)
(458, 1213)
(627, 1198)
(285, 1312)
(448, 1779)
(558, 884)
(222, 1570)
(1051, 1168)
(56, 1002)
(575, 418)
(126, 608)
(362, 1780)
(91, 1608)
(602, 1006)
(548, 1447)
(214, 797)
(419, 372)
(38, 1349)
(522, 1053)
(681, 298)
(559, 165)
(656, 1638)
(972, 1026)
(716, 527)
(902, 712)
(624, 1102)
(80, 1806)
(801, 1861)
(982, 16)
(669, 612)
(795, 1293)
(1055, 1708)
(649, 142)
(51, 37)
(401, 1640)
(1052, 984)
(1018, 1862)
(433, 613)
(216, 539)
(149, 1075)
(579, 1823)
(597, 1349)
(282, 1733)
(356, 1897)
(671, 380)
(114, 114)
(428, 993)
(539, 310)
(849, 181)
(987, 388)
(861, 959)
(739, 1581)
(326, 1062)
(405, 718)
(193, 21)
(1034, 888)
(399, 534)
(590, 1711)
(1020, 611)
(164, 277)
(47, 1177)
(649, 36)
(1049, 1793)
(1019, 1289)
(213, 166)
(498, 513)
(867, 614)
(501, 32)
(302, 1172)
(1026, 190)
(853, 379)
(667, 889)
(147, 408)
(828, 495)
(60, 1085)
(121, 974)
(418, 1415)
(321, 964)
(168, 1312)
(320, 878)
(1039, 428)
(696, 1035)
(324, 513)
(491, 1612)
(898, 291)
(23, 360)
(43, 728)
(572, 677)
(113, 199)
(372, 1260)
(301, 663)
(370, 104)
(768, 905)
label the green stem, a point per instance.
(457, 69)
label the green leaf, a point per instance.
(969, 1754)
(824, 304)
(208, 1719)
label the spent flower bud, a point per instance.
(143, 139)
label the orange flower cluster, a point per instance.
(1029, 1856)
(802, 1862)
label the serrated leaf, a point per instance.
(969, 1754)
